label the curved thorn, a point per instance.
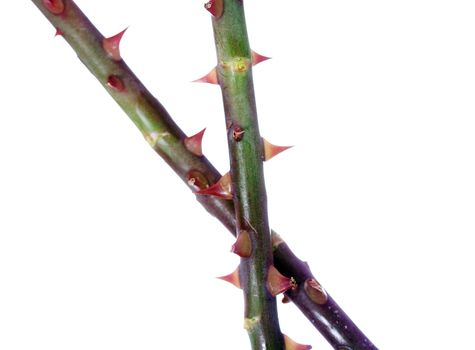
(112, 45)
(194, 143)
(271, 150)
(210, 78)
(232, 278)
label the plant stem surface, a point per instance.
(150, 117)
(234, 70)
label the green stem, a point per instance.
(234, 71)
(150, 116)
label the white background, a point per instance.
(103, 247)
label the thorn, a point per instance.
(271, 150)
(56, 7)
(210, 78)
(232, 278)
(58, 32)
(215, 7)
(291, 345)
(315, 291)
(243, 245)
(278, 283)
(257, 58)
(115, 83)
(221, 189)
(285, 299)
(194, 143)
(197, 180)
(112, 45)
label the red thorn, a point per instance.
(115, 83)
(112, 45)
(232, 278)
(221, 189)
(292, 345)
(58, 32)
(56, 7)
(210, 78)
(197, 180)
(243, 245)
(215, 7)
(257, 58)
(193, 143)
(271, 150)
(278, 283)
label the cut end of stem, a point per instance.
(112, 45)
(194, 143)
